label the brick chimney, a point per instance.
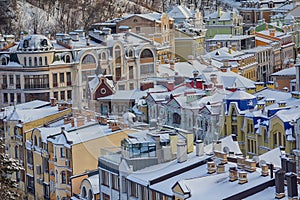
(80, 121)
(240, 162)
(233, 174)
(211, 167)
(53, 101)
(292, 186)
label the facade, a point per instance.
(223, 22)
(283, 78)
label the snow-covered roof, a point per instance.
(286, 72)
(121, 95)
(180, 12)
(35, 43)
(220, 185)
(225, 142)
(240, 95)
(289, 115)
(224, 37)
(47, 131)
(273, 156)
(144, 176)
(94, 181)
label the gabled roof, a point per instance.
(240, 95)
(180, 11)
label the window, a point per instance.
(5, 97)
(46, 60)
(35, 61)
(69, 82)
(68, 59)
(133, 189)
(36, 81)
(35, 141)
(90, 195)
(54, 77)
(16, 151)
(18, 98)
(115, 182)
(40, 61)
(55, 95)
(118, 73)
(138, 29)
(176, 118)
(63, 177)
(146, 54)
(103, 57)
(25, 61)
(83, 193)
(121, 87)
(61, 77)
(147, 69)
(131, 86)
(105, 178)
(18, 82)
(62, 152)
(29, 157)
(30, 62)
(12, 97)
(69, 94)
(62, 95)
(131, 74)
(30, 184)
(11, 79)
(118, 54)
(46, 191)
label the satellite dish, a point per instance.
(262, 162)
(256, 159)
(226, 150)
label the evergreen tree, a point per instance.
(8, 166)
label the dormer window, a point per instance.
(25, 44)
(68, 59)
(44, 42)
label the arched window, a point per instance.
(83, 192)
(88, 59)
(16, 151)
(35, 141)
(40, 61)
(176, 118)
(68, 59)
(40, 142)
(118, 54)
(35, 61)
(90, 195)
(25, 43)
(103, 57)
(4, 61)
(25, 61)
(146, 54)
(30, 61)
(63, 177)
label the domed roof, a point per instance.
(35, 43)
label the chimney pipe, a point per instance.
(271, 170)
(181, 151)
(292, 186)
(264, 170)
(233, 174)
(211, 167)
(243, 177)
(291, 166)
(279, 184)
(199, 148)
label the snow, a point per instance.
(221, 185)
(94, 181)
(286, 72)
(226, 142)
(272, 156)
(240, 95)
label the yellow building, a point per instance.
(18, 126)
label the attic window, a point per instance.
(103, 91)
(135, 20)
(25, 44)
(44, 42)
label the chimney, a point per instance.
(67, 120)
(243, 177)
(88, 41)
(284, 164)
(234, 48)
(220, 168)
(222, 156)
(173, 142)
(270, 85)
(53, 101)
(189, 136)
(260, 105)
(250, 165)
(146, 85)
(285, 89)
(21, 35)
(267, 27)
(292, 186)
(279, 184)
(181, 151)
(219, 45)
(240, 162)
(199, 148)
(229, 49)
(88, 118)
(250, 90)
(233, 174)
(269, 101)
(291, 166)
(264, 170)
(72, 121)
(172, 65)
(259, 86)
(47, 34)
(80, 121)
(213, 79)
(296, 94)
(281, 104)
(272, 32)
(218, 145)
(211, 167)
